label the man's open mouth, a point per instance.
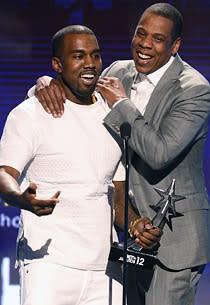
(88, 78)
(144, 56)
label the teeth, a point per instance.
(144, 56)
(88, 76)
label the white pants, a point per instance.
(50, 284)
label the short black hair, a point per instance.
(168, 11)
(58, 38)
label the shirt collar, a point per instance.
(153, 77)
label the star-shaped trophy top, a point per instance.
(166, 204)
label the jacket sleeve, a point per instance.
(180, 126)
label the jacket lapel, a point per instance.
(128, 79)
(168, 81)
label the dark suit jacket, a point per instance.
(168, 142)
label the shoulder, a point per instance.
(119, 68)
(26, 106)
(187, 82)
(190, 77)
(29, 108)
(27, 115)
(194, 85)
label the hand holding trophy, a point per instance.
(136, 254)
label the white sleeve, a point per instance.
(121, 100)
(120, 173)
(42, 82)
(17, 146)
(31, 91)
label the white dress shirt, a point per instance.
(144, 85)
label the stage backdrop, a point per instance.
(25, 54)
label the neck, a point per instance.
(74, 97)
(82, 100)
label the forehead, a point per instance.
(156, 24)
(83, 42)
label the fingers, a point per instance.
(45, 210)
(50, 101)
(109, 81)
(149, 238)
(39, 207)
(43, 207)
(32, 188)
(103, 82)
(47, 203)
(58, 98)
(141, 226)
(111, 89)
(45, 99)
(56, 195)
(52, 98)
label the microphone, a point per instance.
(125, 130)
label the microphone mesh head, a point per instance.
(125, 130)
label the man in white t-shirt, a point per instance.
(63, 254)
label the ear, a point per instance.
(57, 65)
(176, 45)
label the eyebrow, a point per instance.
(154, 34)
(141, 28)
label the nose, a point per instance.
(146, 42)
(89, 62)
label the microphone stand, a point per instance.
(125, 131)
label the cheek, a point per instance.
(73, 65)
(98, 66)
(71, 69)
(67, 72)
(163, 51)
(69, 76)
(134, 43)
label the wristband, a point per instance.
(132, 225)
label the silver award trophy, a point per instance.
(136, 255)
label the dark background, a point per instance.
(26, 28)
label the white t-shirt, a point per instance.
(76, 155)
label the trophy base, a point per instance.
(135, 255)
